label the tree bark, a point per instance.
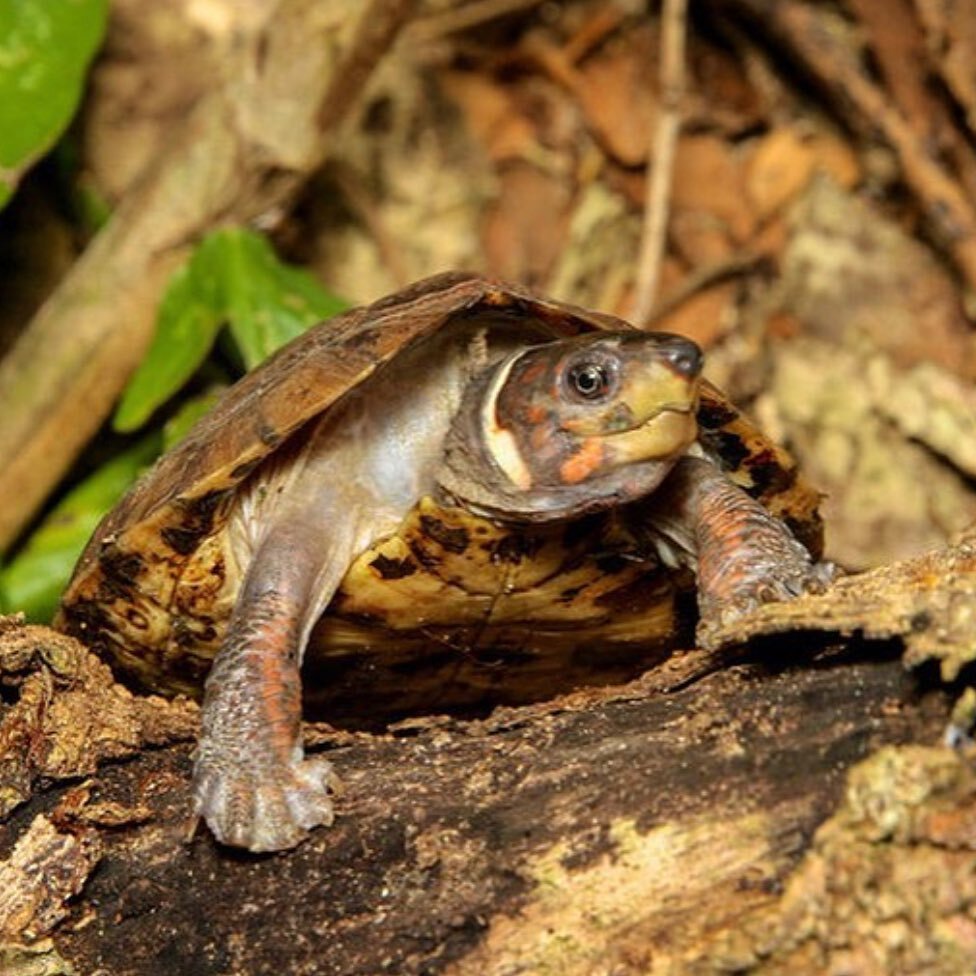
(599, 833)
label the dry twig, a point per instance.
(375, 33)
(699, 280)
(470, 15)
(673, 30)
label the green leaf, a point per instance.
(45, 49)
(233, 276)
(189, 320)
(268, 302)
(34, 579)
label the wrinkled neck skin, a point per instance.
(470, 477)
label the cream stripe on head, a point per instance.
(501, 442)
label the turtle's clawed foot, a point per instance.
(747, 559)
(745, 556)
(263, 810)
(758, 586)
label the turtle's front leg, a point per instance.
(743, 555)
(252, 784)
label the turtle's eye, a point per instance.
(591, 380)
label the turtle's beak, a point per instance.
(661, 395)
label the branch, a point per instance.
(673, 29)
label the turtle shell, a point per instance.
(451, 596)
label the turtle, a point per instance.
(461, 464)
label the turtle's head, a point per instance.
(576, 425)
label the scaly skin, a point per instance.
(251, 782)
(744, 556)
(295, 531)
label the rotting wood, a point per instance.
(603, 828)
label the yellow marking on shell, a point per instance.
(208, 584)
(500, 441)
(417, 600)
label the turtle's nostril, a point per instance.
(685, 356)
